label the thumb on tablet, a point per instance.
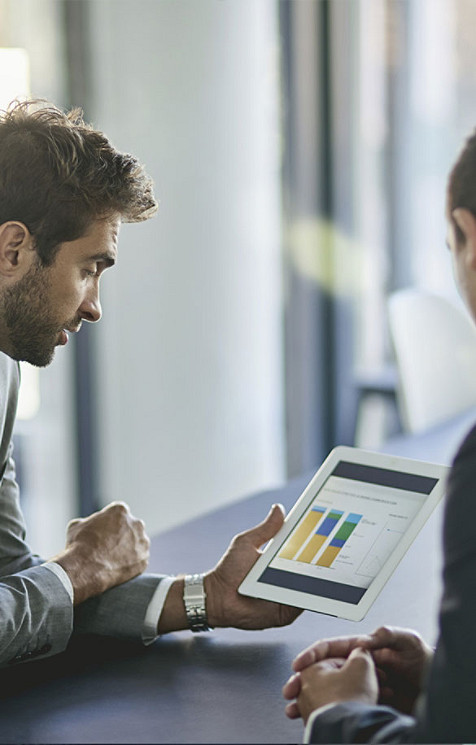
(269, 527)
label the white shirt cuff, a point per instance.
(154, 610)
(62, 575)
(312, 717)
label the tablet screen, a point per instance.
(348, 531)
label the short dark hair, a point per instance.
(462, 182)
(58, 174)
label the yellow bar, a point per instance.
(328, 556)
(308, 553)
(300, 535)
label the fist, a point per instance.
(104, 550)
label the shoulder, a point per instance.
(460, 509)
(467, 445)
(463, 467)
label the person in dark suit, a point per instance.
(391, 686)
(64, 191)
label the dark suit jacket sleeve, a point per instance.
(446, 713)
(354, 722)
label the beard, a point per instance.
(33, 331)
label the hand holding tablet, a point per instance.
(347, 532)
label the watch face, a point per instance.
(194, 601)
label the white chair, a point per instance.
(435, 351)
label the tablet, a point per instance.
(347, 532)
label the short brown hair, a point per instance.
(462, 182)
(58, 174)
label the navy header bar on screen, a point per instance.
(385, 477)
(312, 585)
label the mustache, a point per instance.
(73, 326)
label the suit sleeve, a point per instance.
(120, 611)
(36, 617)
(446, 712)
(352, 721)
(36, 611)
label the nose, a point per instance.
(90, 309)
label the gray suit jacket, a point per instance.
(36, 613)
(446, 712)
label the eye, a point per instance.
(91, 272)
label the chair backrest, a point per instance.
(435, 351)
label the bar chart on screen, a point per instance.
(321, 542)
(314, 532)
(339, 540)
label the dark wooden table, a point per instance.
(219, 687)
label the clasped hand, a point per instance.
(386, 666)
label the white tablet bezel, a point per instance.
(354, 612)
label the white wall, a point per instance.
(46, 449)
(190, 348)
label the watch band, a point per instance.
(194, 597)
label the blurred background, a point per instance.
(299, 150)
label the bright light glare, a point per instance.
(14, 75)
(29, 397)
(15, 83)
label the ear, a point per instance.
(17, 249)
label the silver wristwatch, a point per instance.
(194, 597)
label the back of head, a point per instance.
(58, 174)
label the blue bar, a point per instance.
(329, 523)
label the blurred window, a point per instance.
(389, 87)
(15, 83)
(14, 75)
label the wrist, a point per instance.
(85, 583)
(195, 603)
(214, 596)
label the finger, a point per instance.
(360, 658)
(384, 636)
(140, 526)
(116, 506)
(387, 656)
(292, 711)
(268, 528)
(292, 688)
(315, 653)
(390, 636)
(338, 647)
(309, 656)
(118, 503)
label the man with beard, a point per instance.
(64, 191)
(390, 686)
